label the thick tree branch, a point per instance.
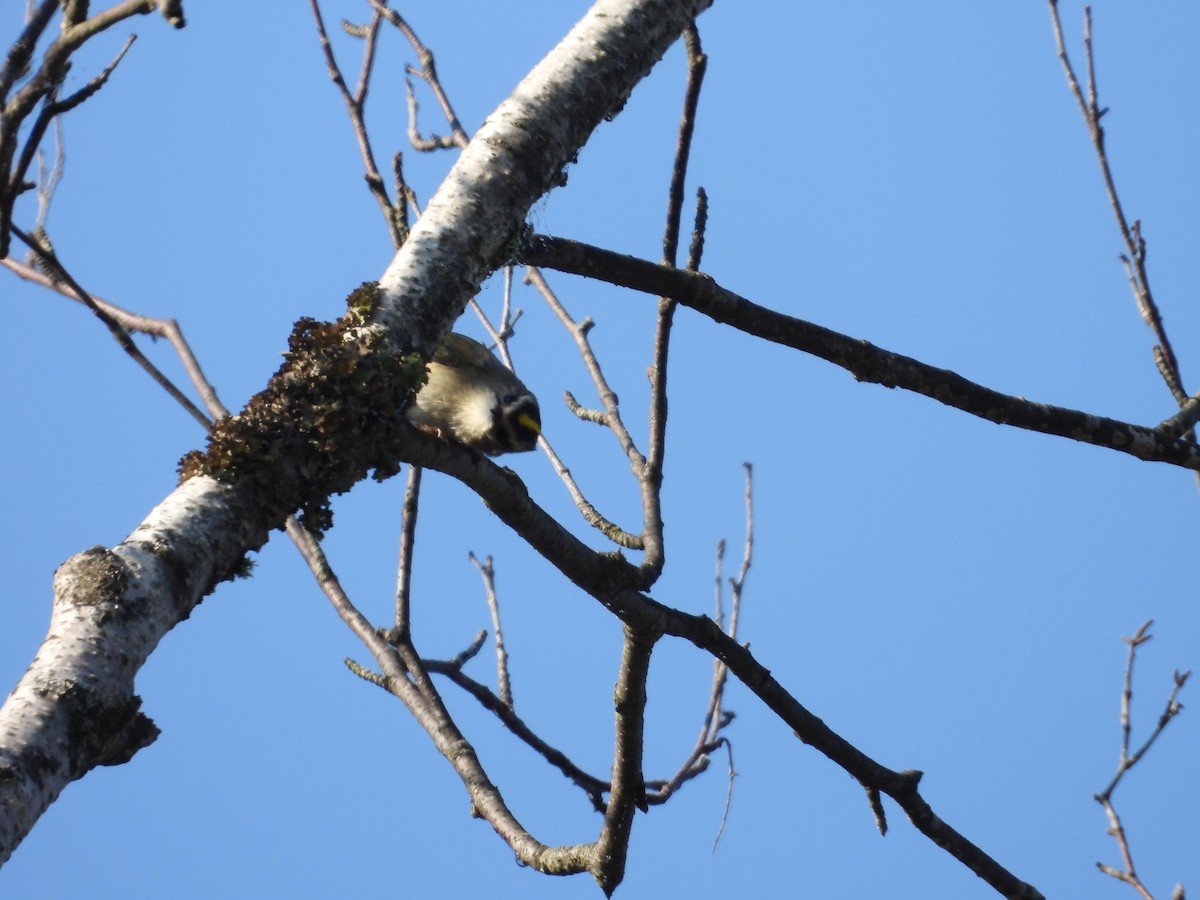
(111, 608)
(900, 786)
(310, 433)
(470, 225)
(612, 582)
(863, 360)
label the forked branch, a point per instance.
(1128, 760)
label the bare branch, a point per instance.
(393, 213)
(1181, 423)
(60, 276)
(1134, 257)
(427, 73)
(865, 361)
(48, 178)
(591, 515)
(53, 108)
(405, 676)
(465, 655)
(610, 417)
(628, 785)
(732, 773)
(716, 719)
(595, 788)
(500, 334)
(488, 573)
(900, 786)
(43, 84)
(408, 537)
(90, 89)
(651, 474)
(1128, 760)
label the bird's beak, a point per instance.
(525, 420)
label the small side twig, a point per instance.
(1128, 760)
(393, 212)
(49, 177)
(408, 538)
(20, 52)
(62, 281)
(428, 73)
(467, 654)
(716, 718)
(1134, 257)
(591, 515)
(500, 334)
(608, 397)
(488, 573)
(609, 417)
(1182, 422)
(168, 329)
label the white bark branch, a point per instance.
(75, 707)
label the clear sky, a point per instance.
(947, 594)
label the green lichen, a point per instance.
(363, 301)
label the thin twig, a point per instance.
(502, 333)
(738, 583)
(1128, 760)
(488, 573)
(467, 654)
(58, 107)
(595, 788)
(427, 73)
(406, 677)
(42, 86)
(50, 262)
(610, 417)
(406, 197)
(716, 719)
(20, 52)
(1182, 422)
(418, 141)
(651, 475)
(1134, 257)
(408, 537)
(608, 397)
(49, 177)
(591, 515)
(393, 213)
(731, 773)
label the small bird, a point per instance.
(472, 398)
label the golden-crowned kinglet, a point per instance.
(471, 398)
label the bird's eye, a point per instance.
(510, 399)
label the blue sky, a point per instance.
(947, 594)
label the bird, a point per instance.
(472, 398)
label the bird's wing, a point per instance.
(458, 351)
